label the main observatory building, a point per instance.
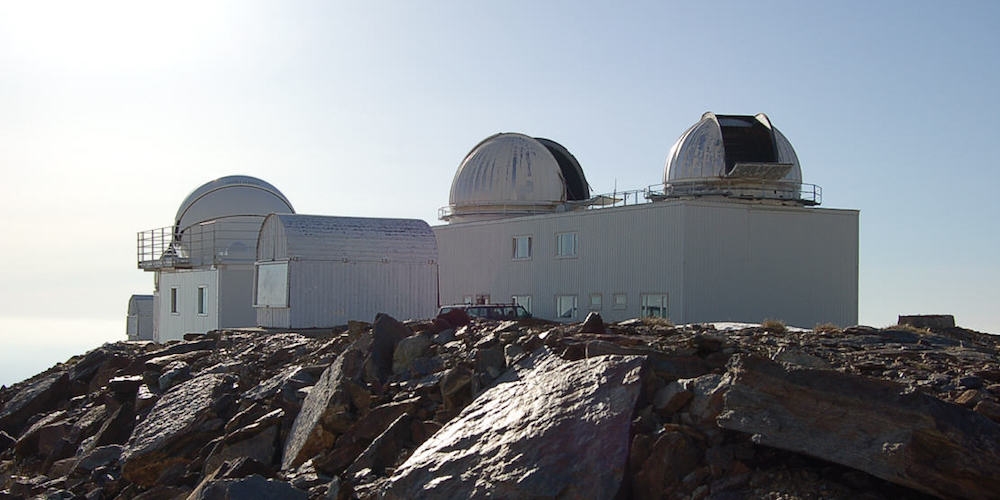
(731, 234)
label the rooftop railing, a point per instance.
(206, 244)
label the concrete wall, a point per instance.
(715, 261)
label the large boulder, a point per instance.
(908, 438)
(182, 420)
(327, 411)
(35, 397)
(558, 429)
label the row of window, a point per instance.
(654, 305)
(202, 303)
(565, 246)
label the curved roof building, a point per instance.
(736, 156)
(512, 174)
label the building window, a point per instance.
(566, 306)
(566, 244)
(272, 284)
(202, 300)
(595, 301)
(620, 301)
(523, 301)
(654, 305)
(173, 300)
(522, 247)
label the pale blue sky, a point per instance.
(112, 112)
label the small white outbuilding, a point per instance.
(318, 271)
(139, 321)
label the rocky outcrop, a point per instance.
(327, 411)
(557, 430)
(178, 425)
(876, 426)
(466, 407)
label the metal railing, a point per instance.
(800, 193)
(806, 194)
(206, 244)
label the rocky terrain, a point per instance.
(456, 409)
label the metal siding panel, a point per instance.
(235, 297)
(699, 253)
(629, 250)
(327, 293)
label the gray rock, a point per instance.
(36, 397)
(407, 350)
(175, 373)
(523, 438)
(908, 438)
(326, 412)
(671, 397)
(98, 457)
(386, 333)
(593, 324)
(253, 487)
(180, 421)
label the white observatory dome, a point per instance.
(735, 155)
(231, 196)
(513, 174)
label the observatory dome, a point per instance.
(734, 155)
(231, 196)
(512, 174)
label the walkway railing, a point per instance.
(205, 244)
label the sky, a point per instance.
(111, 112)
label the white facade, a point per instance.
(203, 264)
(730, 235)
(709, 260)
(139, 320)
(316, 271)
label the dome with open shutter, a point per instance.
(512, 174)
(739, 156)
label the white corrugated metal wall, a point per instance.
(716, 261)
(347, 268)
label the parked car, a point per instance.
(488, 311)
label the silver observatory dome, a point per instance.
(738, 156)
(230, 196)
(511, 174)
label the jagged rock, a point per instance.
(249, 488)
(125, 386)
(327, 411)
(38, 396)
(178, 424)
(872, 425)
(98, 457)
(384, 449)
(673, 455)
(386, 333)
(593, 324)
(352, 443)
(384, 416)
(988, 409)
(6, 441)
(671, 397)
(257, 441)
(407, 351)
(490, 360)
(174, 373)
(522, 438)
